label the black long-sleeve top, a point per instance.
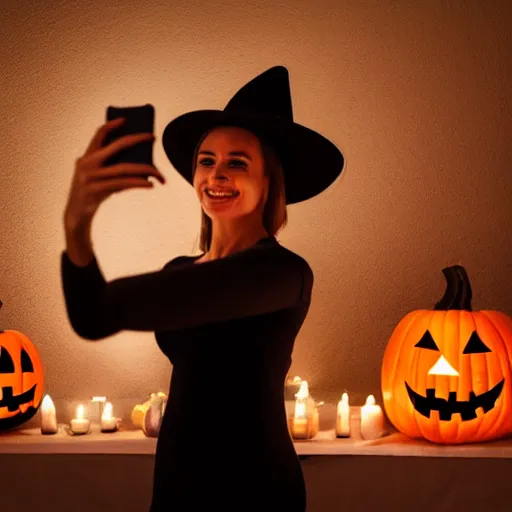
(228, 327)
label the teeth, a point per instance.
(220, 194)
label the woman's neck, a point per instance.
(223, 243)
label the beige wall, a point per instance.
(416, 94)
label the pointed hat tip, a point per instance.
(278, 69)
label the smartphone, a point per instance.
(138, 119)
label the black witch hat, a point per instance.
(311, 163)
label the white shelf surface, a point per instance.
(31, 441)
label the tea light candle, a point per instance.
(343, 417)
(372, 419)
(80, 424)
(48, 416)
(107, 422)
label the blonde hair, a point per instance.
(275, 215)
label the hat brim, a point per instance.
(311, 163)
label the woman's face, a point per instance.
(230, 160)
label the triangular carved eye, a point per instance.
(6, 362)
(475, 345)
(427, 342)
(26, 363)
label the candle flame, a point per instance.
(47, 404)
(343, 404)
(80, 412)
(303, 390)
(300, 400)
(107, 411)
(370, 400)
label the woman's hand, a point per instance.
(92, 183)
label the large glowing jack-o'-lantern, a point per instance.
(21, 379)
(447, 372)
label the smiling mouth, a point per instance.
(221, 199)
(446, 408)
(230, 192)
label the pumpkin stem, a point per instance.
(458, 293)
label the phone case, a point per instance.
(138, 119)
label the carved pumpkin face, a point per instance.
(21, 379)
(447, 372)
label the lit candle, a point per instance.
(300, 424)
(372, 419)
(343, 417)
(80, 424)
(48, 416)
(108, 423)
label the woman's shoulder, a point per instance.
(177, 260)
(295, 258)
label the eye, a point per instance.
(475, 345)
(26, 362)
(427, 342)
(6, 362)
(238, 163)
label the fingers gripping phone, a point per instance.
(138, 119)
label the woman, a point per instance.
(228, 318)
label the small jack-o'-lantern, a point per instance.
(21, 378)
(447, 372)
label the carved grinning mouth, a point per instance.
(446, 408)
(13, 402)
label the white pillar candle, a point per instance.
(301, 398)
(80, 424)
(372, 419)
(48, 416)
(108, 423)
(343, 417)
(300, 424)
